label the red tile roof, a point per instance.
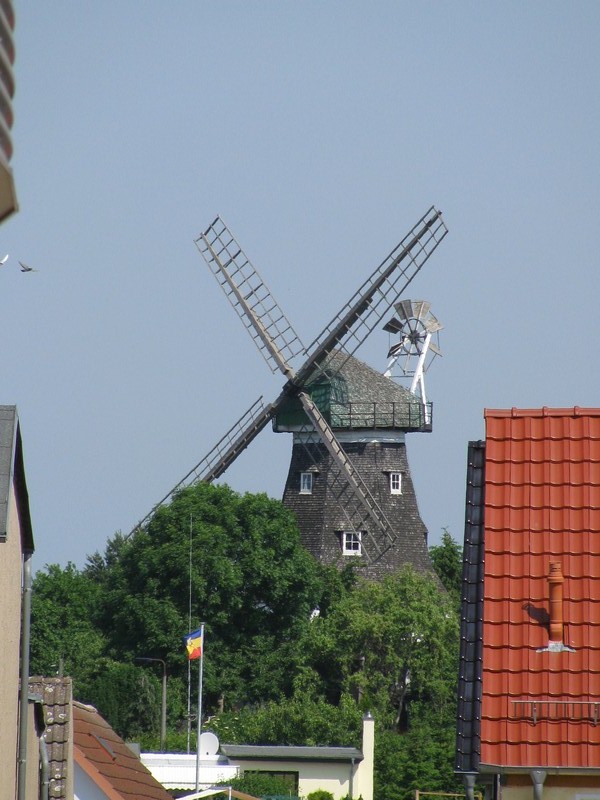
(108, 761)
(542, 505)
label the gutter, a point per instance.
(45, 770)
(24, 695)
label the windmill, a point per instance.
(283, 351)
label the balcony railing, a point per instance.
(413, 416)
(558, 710)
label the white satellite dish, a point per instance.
(209, 744)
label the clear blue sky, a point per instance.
(320, 131)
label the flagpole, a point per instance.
(200, 675)
(189, 675)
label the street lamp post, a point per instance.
(163, 710)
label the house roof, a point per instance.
(108, 761)
(541, 505)
(290, 753)
(12, 470)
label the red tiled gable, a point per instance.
(108, 761)
(542, 505)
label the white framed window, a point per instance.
(306, 482)
(351, 543)
(395, 483)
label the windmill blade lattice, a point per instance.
(367, 307)
(224, 453)
(266, 323)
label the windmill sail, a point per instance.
(367, 307)
(266, 323)
(224, 453)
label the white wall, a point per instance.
(178, 770)
(556, 787)
(85, 788)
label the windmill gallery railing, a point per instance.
(404, 416)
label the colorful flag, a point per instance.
(193, 643)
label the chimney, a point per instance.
(362, 785)
(556, 580)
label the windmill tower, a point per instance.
(370, 415)
(318, 365)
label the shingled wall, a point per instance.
(321, 519)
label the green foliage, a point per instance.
(298, 720)
(64, 634)
(252, 583)
(129, 696)
(261, 784)
(271, 674)
(387, 644)
(391, 647)
(320, 794)
(421, 758)
(447, 560)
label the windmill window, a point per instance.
(395, 483)
(351, 543)
(306, 482)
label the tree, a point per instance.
(447, 560)
(275, 673)
(300, 720)
(391, 648)
(129, 696)
(252, 583)
(65, 636)
(387, 644)
(422, 758)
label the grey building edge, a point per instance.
(290, 753)
(468, 728)
(12, 469)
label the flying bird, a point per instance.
(25, 268)
(3, 260)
